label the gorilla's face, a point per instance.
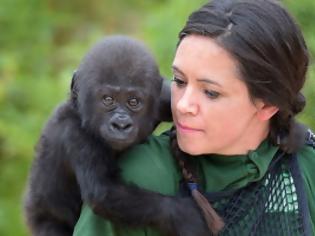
(121, 114)
(118, 91)
(120, 109)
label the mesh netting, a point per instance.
(276, 205)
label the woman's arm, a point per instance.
(306, 159)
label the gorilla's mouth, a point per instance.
(119, 144)
(121, 133)
(119, 139)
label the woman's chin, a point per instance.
(190, 148)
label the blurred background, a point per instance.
(41, 44)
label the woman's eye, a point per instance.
(179, 82)
(133, 102)
(108, 101)
(212, 94)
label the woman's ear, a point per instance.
(265, 111)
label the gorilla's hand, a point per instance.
(185, 218)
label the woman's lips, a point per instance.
(185, 128)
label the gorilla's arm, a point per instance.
(130, 205)
(53, 200)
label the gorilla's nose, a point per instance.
(122, 124)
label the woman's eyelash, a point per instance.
(209, 93)
(212, 94)
(179, 82)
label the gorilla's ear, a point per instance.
(74, 88)
(73, 80)
(165, 113)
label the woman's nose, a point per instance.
(187, 103)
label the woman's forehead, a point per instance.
(201, 57)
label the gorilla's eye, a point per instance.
(108, 101)
(133, 102)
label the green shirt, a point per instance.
(151, 166)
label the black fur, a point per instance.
(117, 99)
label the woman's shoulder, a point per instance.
(306, 155)
(150, 165)
(154, 148)
(154, 143)
(306, 160)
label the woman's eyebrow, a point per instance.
(209, 81)
(177, 70)
(204, 80)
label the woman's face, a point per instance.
(211, 107)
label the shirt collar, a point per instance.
(231, 172)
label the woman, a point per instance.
(238, 73)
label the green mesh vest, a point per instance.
(276, 205)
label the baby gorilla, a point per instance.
(117, 99)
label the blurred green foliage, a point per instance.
(42, 42)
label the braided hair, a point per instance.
(213, 220)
